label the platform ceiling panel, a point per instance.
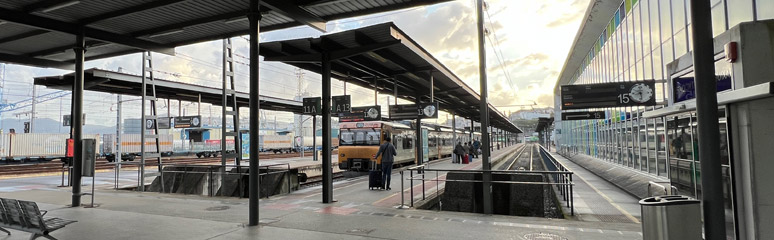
(130, 26)
(383, 53)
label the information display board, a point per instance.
(604, 95)
(583, 115)
(188, 121)
(359, 114)
(414, 111)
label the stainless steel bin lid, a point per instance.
(668, 200)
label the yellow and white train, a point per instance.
(359, 142)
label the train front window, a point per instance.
(360, 137)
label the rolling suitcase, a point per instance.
(374, 177)
(465, 159)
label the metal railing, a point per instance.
(672, 189)
(565, 190)
(565, 184)
(213, 170)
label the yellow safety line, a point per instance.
(625, 213)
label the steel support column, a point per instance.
(418, 128)
(707, 113)
(254, 17)
(484, 109)
(314, 138)
(327, 175)
(77, 118)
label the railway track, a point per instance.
(524, 159)
(102, 164)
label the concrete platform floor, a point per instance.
(359, 214)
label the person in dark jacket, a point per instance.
(459, 150)
(476, 146)
(388, 153)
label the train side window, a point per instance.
(408, 143)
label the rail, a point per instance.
(565, 184)
(213, 170)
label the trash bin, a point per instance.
(671, 217)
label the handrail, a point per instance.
(562, 179)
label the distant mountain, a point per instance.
(47, 125)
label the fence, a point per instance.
(215, 170)
(562, 179)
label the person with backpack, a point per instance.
(476, 147)
(388, 153)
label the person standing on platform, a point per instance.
(476, 147)
(388, 153)
(459, 151)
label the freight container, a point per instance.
(130, 146)
(276, 143)
(5, 147)
(308, 142)
(211, 148)
(39, 146)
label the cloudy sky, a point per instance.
(527, 46)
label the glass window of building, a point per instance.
(719, 16)
(645, 29)
(739, 11)
(765, 9)
(666, 19)
(654, 24)
(678, 15)
(637, 23)
(648, 68)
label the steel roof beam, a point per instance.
(335, 55)
(35, 62)
(22, 36)
(62, 49)
(74, 29)
(297, 13)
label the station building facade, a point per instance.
(650, 40)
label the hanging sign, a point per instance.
(312, 106)
(340, 104)
(359, 114)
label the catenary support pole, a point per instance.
(254, 17)
(327, 186)
(707, 113)
(484, 109)
(77, 119)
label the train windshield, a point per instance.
(360, 136)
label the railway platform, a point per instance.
(358, 213)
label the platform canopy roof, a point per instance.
(544, 124)
(128, 84)
(41, 32)
(384, 55)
